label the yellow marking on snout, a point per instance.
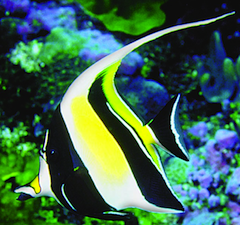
(35, 185)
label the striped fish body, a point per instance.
(99, 157)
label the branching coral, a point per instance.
(60, 43)
(27, 55)
(16, 155)
(135, 17)
(219, 77)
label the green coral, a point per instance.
(14, 141)
(144, 218)
(149, 218)
(135, 17)
(18, 165)
(27, 56)
(61, 42)
(34, 55)
(235, 116)
(176, 171)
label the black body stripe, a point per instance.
(66, 168)
(150, 181)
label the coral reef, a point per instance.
(90, 45)
(212, 184)
(45, 47)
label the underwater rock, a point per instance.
(147, 97)
(43, 16)
(218, 76)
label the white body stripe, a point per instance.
(64, 195)
(173, 126)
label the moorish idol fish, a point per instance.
(98, 157)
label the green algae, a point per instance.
(135, 18)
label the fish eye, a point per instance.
(52, 155)
(52, 152)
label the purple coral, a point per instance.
(235, 221)
(196, 161)
(233, 185)
(215, 157)
(99, 45)
(47, 16)
(203, 177)
(178, 189)
(235, 208)
(200, 217)
(203, 193)
(193, 193)
(51, 17)
(15, 5)
(226, 138)
(199, 130)
(214, 201)
(131, 63)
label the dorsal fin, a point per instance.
(167, 129)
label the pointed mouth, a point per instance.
(29, 190)
(26, 192)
